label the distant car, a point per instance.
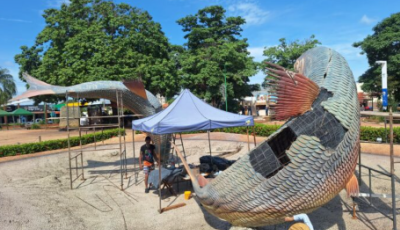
(28, 124)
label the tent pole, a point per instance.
(248, 139)
(209, 145)
(159, 172)
(254, 135)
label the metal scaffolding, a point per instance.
(73, 155)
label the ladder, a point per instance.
(181, 144)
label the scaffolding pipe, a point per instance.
(248, 138)
(254, 135)
(119, 138)
(134, 155)
(69, 143)
(159, 173)
(392, 169)
(183, 148)
(209, 145)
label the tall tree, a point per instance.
(285, 54)
(91, 40)
(214, 49)
(7, 86)
(383, 44)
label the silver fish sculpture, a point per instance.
(304, 164)
(134, 96)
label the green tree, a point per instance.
(213, 49)
(7, 86)
(90, 40)
(383, 44)
(285, 54)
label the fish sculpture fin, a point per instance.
(295, 92)
(352, 187)
(202, 180)
(36, 88)
(136, 87)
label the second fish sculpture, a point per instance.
(304, 164)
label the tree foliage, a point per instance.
(285, 54)
(90, 40)
(383, 44)
(7, 86)
(213, 49)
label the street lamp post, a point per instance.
(384, 84)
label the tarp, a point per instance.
(59, 106)
(21, 112)
(189, 113)
(4, 113)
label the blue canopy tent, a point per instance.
(189, 113)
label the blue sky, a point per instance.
(336, 23)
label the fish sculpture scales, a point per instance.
(304, 164)
(134, 97)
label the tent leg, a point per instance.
(159, 173)
(209, 145)
(248, 139)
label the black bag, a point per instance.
(218, 163)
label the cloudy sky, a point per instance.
(337, 24)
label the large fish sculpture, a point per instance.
(304, 164)
(134, 96)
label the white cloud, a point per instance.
(252, 13)
(366, 20)
(257, 53)
(57, 3)
(14, 20)
(8, 64)
(347, 51)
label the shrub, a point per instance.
(12, 150)
(35, 126)
(371, 134)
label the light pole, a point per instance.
(384, 84)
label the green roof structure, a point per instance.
(4, 113)
(20, 112)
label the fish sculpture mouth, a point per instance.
(304, 164)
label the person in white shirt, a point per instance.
(301, 217)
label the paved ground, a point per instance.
(35, 194)
(9, 137)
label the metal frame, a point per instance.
(122, 140)
(391, 175)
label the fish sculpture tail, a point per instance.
(295, 92)
(36, 88)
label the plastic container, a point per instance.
(187, 195)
